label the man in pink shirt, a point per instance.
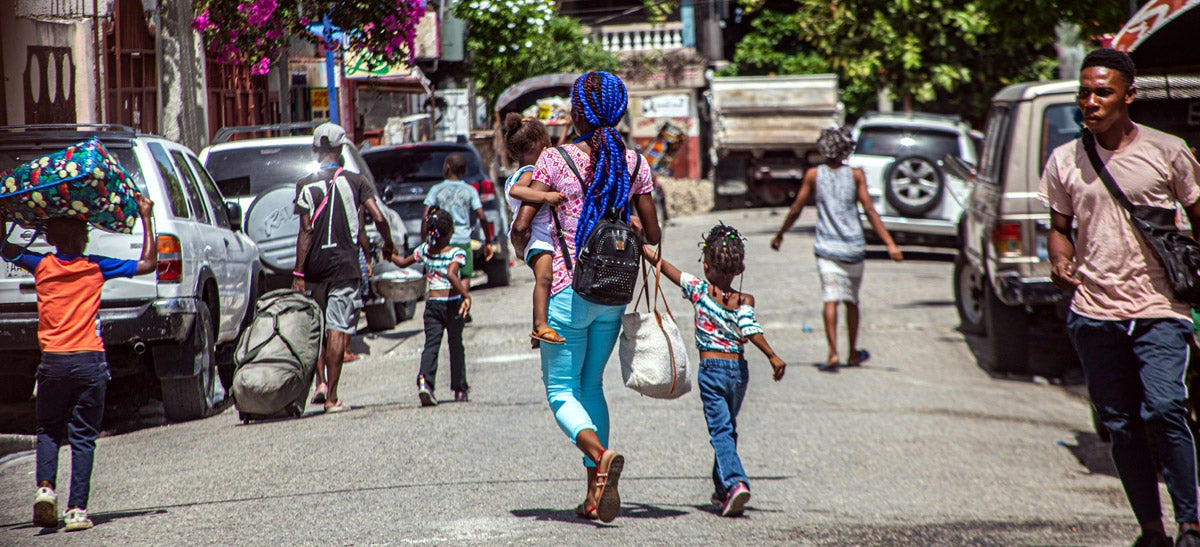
(1129, 329)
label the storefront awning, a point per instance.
(531, 89)
(397, 78)
(1161, 37)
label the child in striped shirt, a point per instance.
(724, 322)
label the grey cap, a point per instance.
(329, 135)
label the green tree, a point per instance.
(511, 40)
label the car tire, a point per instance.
(497, 272)
(969, 297)
(381, 316)
(16, 388)
(198, 396)
(1007, 329)
(914, 185)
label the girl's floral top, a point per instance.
(717, 328)
(437, 265)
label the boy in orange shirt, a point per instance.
(73, 374)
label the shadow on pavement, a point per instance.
(628, 511)
(922, 254)
(1091, 453)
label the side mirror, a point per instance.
(389, 195)
(959, 168)
(235, 214)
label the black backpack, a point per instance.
(608, 264)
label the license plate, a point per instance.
(13, 271)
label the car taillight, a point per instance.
(1007, 238)
(487, 190)
(170, 259)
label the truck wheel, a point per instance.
(969, 295)
(1008, 334)
(380, 316)
(196, 397)
(774, 193)
(914, 185)
(497, 272)
(15, 388)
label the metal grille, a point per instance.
(1175, 86)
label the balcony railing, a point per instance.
(639, 37)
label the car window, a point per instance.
(1061, 124)
(995, 137)
(220, 214)
(354, 162)
(171, 180)
(904, 141)
(10, 159)
(253, 171)
(417, 164)
(191, 188)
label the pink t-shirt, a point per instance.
(553, 171)
(1122, 278)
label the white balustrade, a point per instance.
(639, 37)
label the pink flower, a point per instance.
(201, 23)
(262, 67)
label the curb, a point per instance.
(13, 444)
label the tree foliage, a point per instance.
(256, 31)
(511, 40)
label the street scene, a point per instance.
(645, 272)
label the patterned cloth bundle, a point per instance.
(82, 181)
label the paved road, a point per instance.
(921, 447)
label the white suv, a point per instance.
(175, 326)
(901, 155)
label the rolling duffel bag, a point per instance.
(276, 356)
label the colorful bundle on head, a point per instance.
(600, 98)
(724, 249)
(437, 224)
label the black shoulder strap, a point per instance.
(574, 168)
(1089, 144)
(558, 230)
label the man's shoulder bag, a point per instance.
(606, 269)
(1178, 253)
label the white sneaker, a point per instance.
(77, 519)
(45, 508)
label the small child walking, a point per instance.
(724, 322)
(446, 305)
(840, 246)
(525, 139)
(73, 375)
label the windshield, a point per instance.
(904, 141)
(418, 164)
(252, 171)
(10, 159)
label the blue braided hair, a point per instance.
(600, 98)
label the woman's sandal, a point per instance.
(584, 511)
(547, 335)
(862, 355)
(608, 473)
(829, 366)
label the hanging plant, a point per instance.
(254, 32)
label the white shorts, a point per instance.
(839, 280)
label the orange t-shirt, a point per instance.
(68, 291)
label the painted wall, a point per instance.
(182, 91)
(50, 63)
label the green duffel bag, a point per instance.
(277, 355)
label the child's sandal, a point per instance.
(547, 335)
(585, 511)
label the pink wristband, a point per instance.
(298, 274)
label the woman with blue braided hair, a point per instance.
(611, 181)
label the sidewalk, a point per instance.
(13, 444)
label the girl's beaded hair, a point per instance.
(725, 249)
(437, 224)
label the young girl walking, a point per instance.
(724, 322)
(446, 305)
(840, 246)
(525, 139)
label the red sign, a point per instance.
(1152, 16)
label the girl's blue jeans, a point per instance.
(722, 390)
(574, 371)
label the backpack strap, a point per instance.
(328, 190)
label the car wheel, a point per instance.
(198, 396)
(914, 185)
(969, 295)
(15, 388)
(381, 316)
(1007, 330)
(497, 272)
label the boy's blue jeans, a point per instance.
(1135, 372)
(574, 371)
(722, 390)
(70, 405)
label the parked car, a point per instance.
(183, 318)
(408, 171)
(261, 174)
(901, 156)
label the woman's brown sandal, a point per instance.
(608, 473)
(547, 335)
(585, 511)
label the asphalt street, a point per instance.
(920, 447)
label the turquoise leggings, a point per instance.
(574, 371)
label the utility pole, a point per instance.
(330, 76)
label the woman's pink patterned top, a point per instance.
(553, 171)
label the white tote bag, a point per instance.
(654, 359)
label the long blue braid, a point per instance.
(601, 99)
